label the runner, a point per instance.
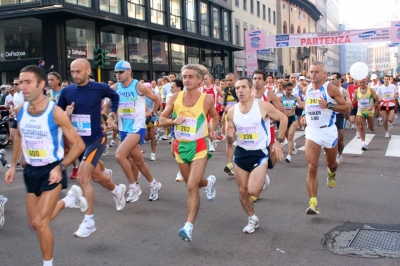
(322, 100)
(248, 123)
(352, 89)
(374, 84)
(132, 128)
(151, 125)
(82, 101)
(189, 110)
(386, 94)
(39, 138)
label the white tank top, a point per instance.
(42, 141)
(252, 130)
(317, 117)
(387, 93)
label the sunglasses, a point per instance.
(16, 84)
(119, 72)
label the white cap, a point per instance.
(301, 77)
(374, 76)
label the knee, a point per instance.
(192, 187)
(243, 191)
(332, 165)
(83, 181)
(312, 168)
(340, 141)
(39, 224)
(120, 157)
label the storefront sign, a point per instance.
(395, 31)
(76, 52)
(159, 56)
(15, 54)
(113, 50)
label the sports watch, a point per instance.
(331, 105)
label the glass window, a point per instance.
(252, 6)
(264, 13)
(269, 15)
(112, 39)
(226, 26)
(111, 6)
(205, 21)
(245, 4)
(80, 38)
(175, 14)
(20, 39)
(157, 11)
(159, 48)
(237, 2)
(138, 47)
(193, 55)
(258, 8)
(274, 18)
(86, 3)
(178, 54)
(191, 18)
(16, 2)
(216, 23)
(136, 9)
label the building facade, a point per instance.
(156, 37)
(332, 60)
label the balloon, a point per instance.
(359, 70)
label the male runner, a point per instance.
(352, 89)
(82, 101)
(322, 100)
(248, 123)
(375, 84)
(270, 86)
(386, 94)
(189, 110)
(41, 124)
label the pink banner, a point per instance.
(395, 32)
(255, 40)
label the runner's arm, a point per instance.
(230, 127)
(275, 101)
(165, 120)
(341, 105)
(346, 97)
(376, 102)
(209, 107)
(144, 90)
(301, 104)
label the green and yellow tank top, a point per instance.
(195, 125)
(365, 101)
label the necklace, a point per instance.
(33, 106)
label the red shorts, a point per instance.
(272, 129)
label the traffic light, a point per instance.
(100, 57)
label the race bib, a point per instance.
(363, 103)
(36, 150)
(126, 110)
(312, 101)
(187, 130)
(82, 124)
(288, 104)
(387, 96)
(247, 136)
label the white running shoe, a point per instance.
(380, 121)
(390, 126)
(2, 218)
(133, 194)
(120, 198)
(154, 191)
(387, 135)
(3, 199)
(251, 226)
(210, 190)
(288, 158)
(266, 182)
(186, 232)
(294, 152)
(211, 148)
(112, 144)
(152, 157)
(364, 147)
(179, 177)
(347, 124)
(395, 116)
(105, 153)
(339, 159)
(358, 134)
(86, 228)
(353, 126)
(80, 201)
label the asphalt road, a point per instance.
(146, 233)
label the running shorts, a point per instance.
(339, 121)
(383, 108)
(37, 178)
(299, 111)
(353, 111)
(325, 137)
(93, 151)
(124, 134)
(187, 152)
(14, 124)
(248, 160)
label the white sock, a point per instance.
(134, 185)
(69, 201)
(363, 143)
(89, 217)
(48, 262)
(152, 184)
(188, 226)
(115, 191)
(253, 217)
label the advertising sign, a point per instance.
(395, 31)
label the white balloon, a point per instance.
(359, 70)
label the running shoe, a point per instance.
(212, 147)
(331, 180)
(364, 147)
(353, 126)
(358, 134)
(86, 228)
(74, 173)
(120, 198)
(255, 198)
(153, 157)
(210, 190)
(3, 200)
(339, 159)
(3, 157)
(154, 191)
(112, 143)
(229, 169)
(347, 125)
(251, 226)
(387, 134)
(266, 182)
(186, 232)
(288, 158)
(179, 177)
(390, 126)
(80, 201)
(105, 153)
(2, 218)
(165, 137)
(380, 121)
(395, 116)
(133, 194)
(294, 152)
(313, 206)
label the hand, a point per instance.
(303, 121)
(11, 116)
(11, 102)
(322, 103)
(371, 108)
(230, 130)
(52, 66)
(55, 175)
(70, 109)
(9, 176)
(277, 148)
(179, 120)
(213, 134)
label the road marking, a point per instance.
(393, 147)
(297, 135)
(354, 146)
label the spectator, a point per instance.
(42, 66)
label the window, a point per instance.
(193, 55)
(175, 14)
(86, 3)
(274, 18)
(226, 26)
(252, 6)
(157, 12)
(178, 54)
(237, 33)
(80, 38)
(159, 48)
(244, 4)
(111, 6)
(285, 29)
(191, 19)
(112, 39)
(269, 15)
(205, 21)
(237, 2)
(216, 23)
(138, 47)
(22, 39)
(136, 9)
(244, 31)
(264, 13)
(258, 8)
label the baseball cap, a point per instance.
(122, 66)
(3, 87)
(374, 76)
(301, 77)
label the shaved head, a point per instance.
(80, 71)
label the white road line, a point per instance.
(393, 147)
(354, 146)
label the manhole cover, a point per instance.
(374, 239)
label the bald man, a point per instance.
(82, 102)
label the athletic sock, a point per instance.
(48, 262)
(89, 217)
(188, 226)
(152, 184)
(115, 191)
(69, 201)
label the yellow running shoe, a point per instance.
(331, 180)
(229, 169)
(255, 198)
(313, 209)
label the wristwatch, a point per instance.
(331, 105)
(279, 140)
(62, 167)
